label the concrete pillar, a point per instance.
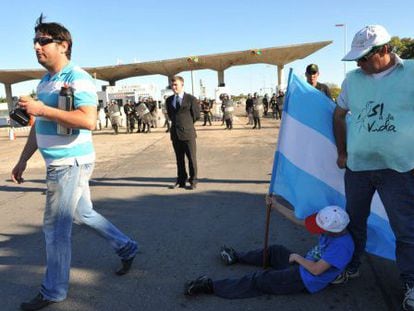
(112, 82)
(280, 78)
(192, 82)
(9, 96)
(220, 76)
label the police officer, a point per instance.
(228, 111)
(257, 111)
(312, 75)
(206, 108)
(129, 115)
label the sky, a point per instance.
(110, 32)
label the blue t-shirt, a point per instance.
(380, 127)
(337, 251)
(65, 149)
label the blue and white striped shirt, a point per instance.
(77, 147)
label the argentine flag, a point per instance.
(305, 172)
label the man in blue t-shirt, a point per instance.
(373, 127)
(63, 136)
(289, 272)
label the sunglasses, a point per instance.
(45, 40)
(370, 54)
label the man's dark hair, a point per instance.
(56, 31)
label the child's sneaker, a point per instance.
(201, 285)
(228, 255)
(349, 273)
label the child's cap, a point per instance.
(329, 219)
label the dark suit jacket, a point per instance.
(182, 120)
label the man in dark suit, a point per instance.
(183, 110)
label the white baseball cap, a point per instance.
(329, 219)
(364, 40)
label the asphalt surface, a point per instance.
(179, 231)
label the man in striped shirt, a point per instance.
(69, 160)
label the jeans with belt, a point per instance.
(68, 198)
(396, 191)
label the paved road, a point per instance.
(179, 231)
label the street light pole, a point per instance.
(192, 82)
(345, 44)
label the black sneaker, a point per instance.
(37, 303)
(346, 275)
(408, 302)
(201, 285)
(228, 255)
(340, 279)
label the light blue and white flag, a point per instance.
(305, 171)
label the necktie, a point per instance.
(177, 102)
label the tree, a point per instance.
(237, 98)
(335, 90)
(403, 47)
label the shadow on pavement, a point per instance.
(179, 238)
(25, 187)
(163, 181)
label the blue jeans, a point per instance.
(396, 191)
(68, 197)
(282, 278)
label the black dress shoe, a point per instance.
(177, 185)
(193, 185)
(126, 266)
(37, 303)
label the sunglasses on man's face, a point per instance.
(370, 54)
(45, 40)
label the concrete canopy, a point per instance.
(275, 56)
(16, 75)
